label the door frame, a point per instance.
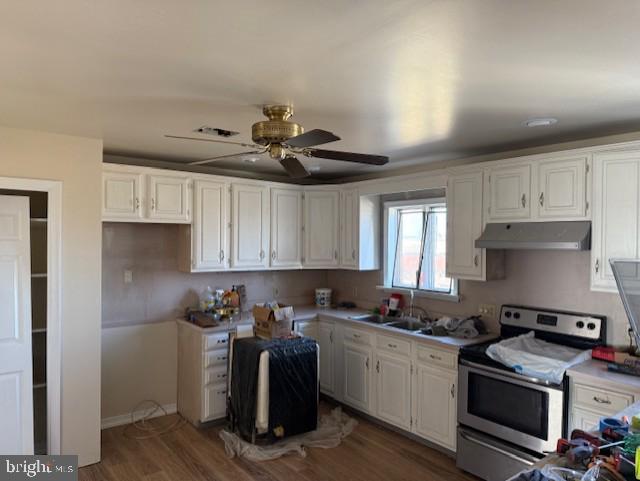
(54, 298)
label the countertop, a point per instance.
(595, 373)
(312, 313)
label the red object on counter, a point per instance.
(395, 302)
(604, 353)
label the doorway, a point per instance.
(44, 199)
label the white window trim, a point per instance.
(452, 296)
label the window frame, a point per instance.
(389, 257)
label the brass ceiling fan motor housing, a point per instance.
(278, 128)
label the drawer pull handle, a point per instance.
(357, 336)
(222, 392)
(222, 358)
(601, 400)
(221, 341)
(392, 346)
(378, 366)
(219, 376)
(437, 358)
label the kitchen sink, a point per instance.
(372, 318)
(407, 324)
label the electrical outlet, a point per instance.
(488, 310)
(276, 291)
(128, 276)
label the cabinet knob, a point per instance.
(273, 255)
(353, 254)
(261, 254)
(367, 363)
(335, 254)
(523, 200)
(597, 266)
(137, 203)
(541, 199)
(378, 366)
(153, 203)
(453, 391)
(221, 255)
(475, 260)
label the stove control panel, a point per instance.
(567, 323)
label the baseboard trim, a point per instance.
(123, 419)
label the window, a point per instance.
(416, 243)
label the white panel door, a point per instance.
(509, 193)
(357, 376)
(321, 228)
(393, 389)
(209, 230)
(464, 226)
(121, 196)
(286, 228)
(435, 401)
(562, 186)
(349, 226)
(327, 353)
(16, 383)
(168, 199)
(616, 212)
(250, 226)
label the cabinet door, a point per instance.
(121, 196)
(286, 228)
(464, 226)
(214, 404)
(562, 186)
(357, 375)
(168, 199)
(209, 228)
(250, 226)
(509, 193)
(349, 229)
(584, 420)
(393, 389)
(325, 341)
(616, 186)
(435, 401)
(321, 228)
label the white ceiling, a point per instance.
(415, 80)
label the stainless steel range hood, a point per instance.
(574, 235)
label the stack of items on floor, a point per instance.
(273, 379)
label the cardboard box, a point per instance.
(273, 323)
(626, 358)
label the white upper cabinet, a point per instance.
(509, 193)
(562, 188)
(209, 234)
(349, 224)
(168, 198)
(250, 226)
(464, 226)
(321, 222)
(286, 228)
(616, 213)
(122, 196)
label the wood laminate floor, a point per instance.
(370, 453)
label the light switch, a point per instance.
(489, 310)
(128, 276)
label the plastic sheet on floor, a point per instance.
(332, 429)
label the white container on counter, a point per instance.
(323, 297)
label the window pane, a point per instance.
(407, 259)
(432, 274)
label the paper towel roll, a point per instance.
(244, 330)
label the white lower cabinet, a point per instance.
(435, 404)
(357, 376)
(202, 373)
(325, 340)
(393, 389)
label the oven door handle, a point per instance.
(479, 368)
(504, 452)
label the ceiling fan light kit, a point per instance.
(283, 138)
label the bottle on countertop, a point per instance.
(207, 299)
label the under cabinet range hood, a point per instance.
(572, 235)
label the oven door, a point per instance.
(510, 406)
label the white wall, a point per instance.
(75, 161)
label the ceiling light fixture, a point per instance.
(540, 122)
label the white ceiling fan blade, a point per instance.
(242, 144)
(228, 156)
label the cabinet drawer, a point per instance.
(215, 402)
(357, 337)
(217, 357)
(215, 375)
(436, 356)
(602, 402)
(215, 341)
(393, 344)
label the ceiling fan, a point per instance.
(282, 139)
